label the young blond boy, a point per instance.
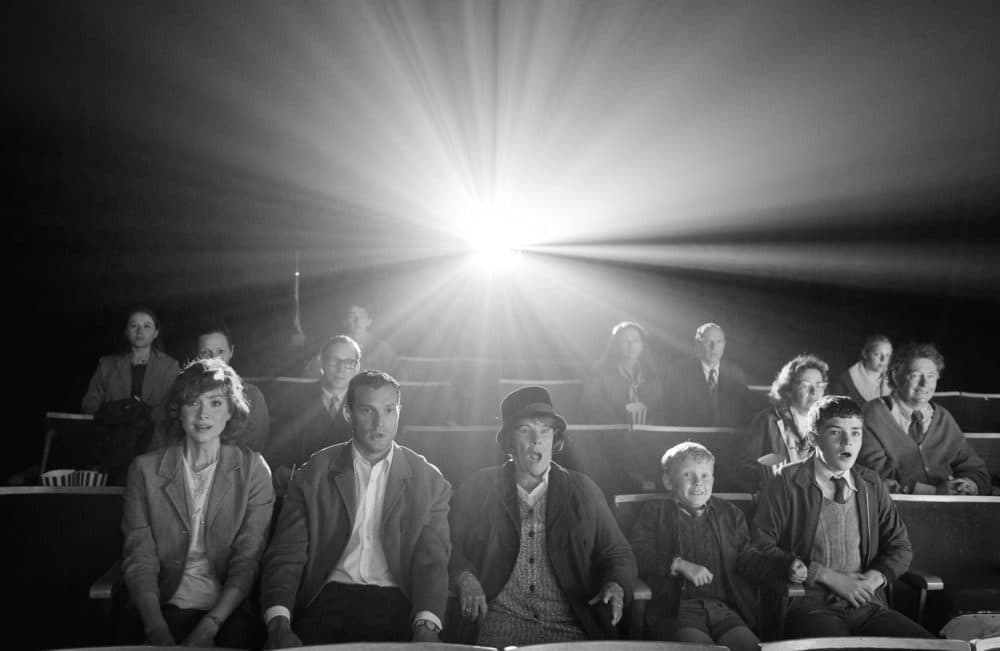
(690, 549)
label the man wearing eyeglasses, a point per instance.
(913, 443)
(311, 416)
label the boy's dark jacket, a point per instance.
(784, 524)
(655, 544)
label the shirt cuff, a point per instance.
(276, 611)
(424, 614)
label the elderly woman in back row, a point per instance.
(914, 444)
(536, 553)
(868, 378)
(196, 518)
(779, 435)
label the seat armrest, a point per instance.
(641, 591)
(634, 618)
(787, 589)
(106, 598)
(793, 590)
(108, 584)
(919, 580)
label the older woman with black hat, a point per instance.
(537, 555)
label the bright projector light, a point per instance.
(493, 237)
(496, 257)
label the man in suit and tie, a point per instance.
(360, 550)
(707, 391)
(312, 416)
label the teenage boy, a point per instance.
(831, 525)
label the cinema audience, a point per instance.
(913, 443)
(197, 510)
(360, 549)
(831, 525)
(867, 378)
(537, 555)
(624, 386)
(690, 550)
(706, 390)
(196, 518)
(143, 372)
(216, 343)
(779, 435)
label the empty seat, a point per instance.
(427, 403)
(457, 450)
(68, 441)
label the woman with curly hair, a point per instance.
(779, 435)
(196, 517)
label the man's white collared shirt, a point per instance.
(363, 561)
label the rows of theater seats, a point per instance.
(67, 537)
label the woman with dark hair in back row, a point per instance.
(143, 372)
(196, 518)
(624, 385)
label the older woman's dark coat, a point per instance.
(585, 546)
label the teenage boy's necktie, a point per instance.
(840, 490)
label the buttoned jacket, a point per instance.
(585, 547)
(113, 381)
(157, 527)
(786, 519)
(656, 542)
(606, 392)
(941, 453)
(317, 517)
(689, 402)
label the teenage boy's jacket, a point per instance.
(785, 522)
